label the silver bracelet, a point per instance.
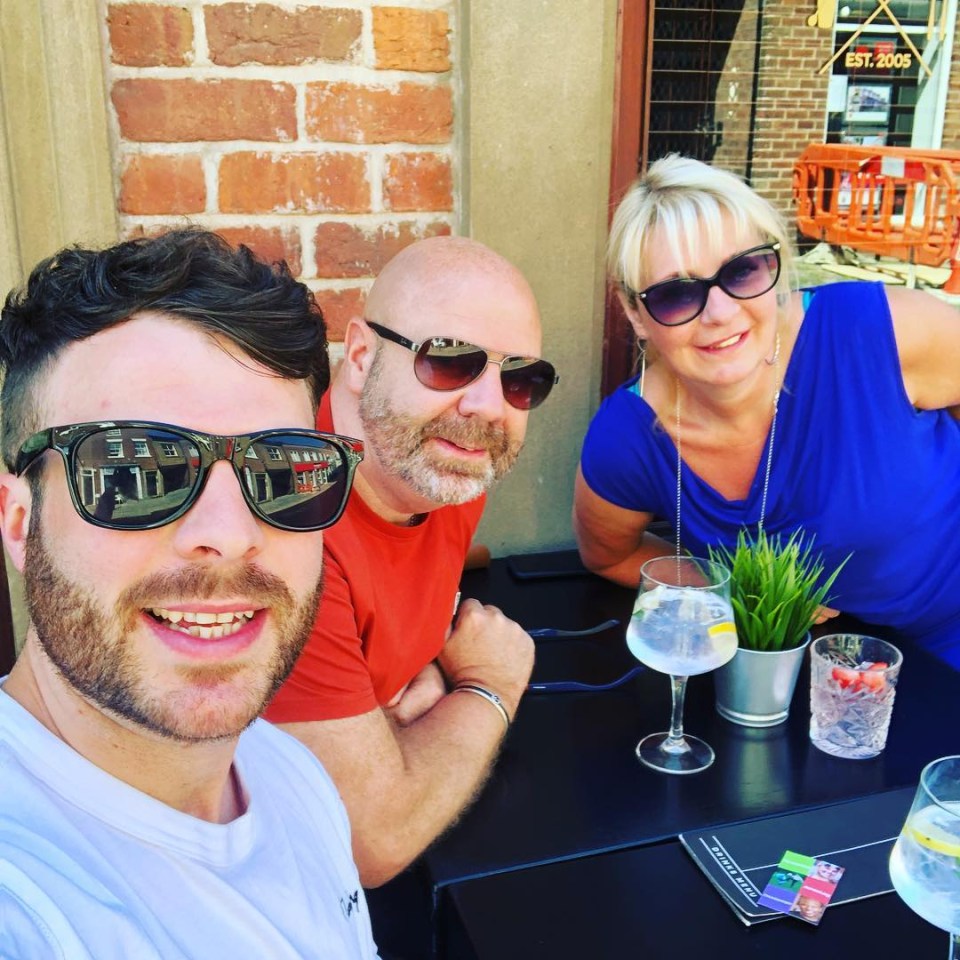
(487, 695)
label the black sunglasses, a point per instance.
(134, 475)
(743, 277)
(444, 363)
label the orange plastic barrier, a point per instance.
(896, 202)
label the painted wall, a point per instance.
(55, 180)
(538, 91)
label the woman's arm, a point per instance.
(613, 541)
(927, 331)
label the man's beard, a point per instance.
(95, 651)
(400, 444)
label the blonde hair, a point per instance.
(688, 206)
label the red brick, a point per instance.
(346, 250)
(340, 306)
(293, 183)
(348, 112)
(150, 36)
(418, 181)
(262, 33)
(151, 184)
(406, 39)
(188, 110)
(268, 243)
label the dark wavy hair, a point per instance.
(190, 274)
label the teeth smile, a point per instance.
(203, 626)
(726, 343)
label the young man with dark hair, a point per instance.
(166, 493)
(404, 697)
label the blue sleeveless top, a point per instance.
(854, 464)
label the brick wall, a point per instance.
(319, 132)
(735, 93)
(792, 97)
(951, 117)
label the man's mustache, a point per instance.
(472, 434)
(200, 583)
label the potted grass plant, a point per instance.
(777, 586)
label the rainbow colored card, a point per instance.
(801, 886)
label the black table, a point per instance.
(569, 806)
(653, 902)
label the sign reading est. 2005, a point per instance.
(882, 57)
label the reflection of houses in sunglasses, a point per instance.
(125, 474)
(137, 476)
(274, 471)
(118, 474)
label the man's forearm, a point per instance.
(403, 786)
(447, 756)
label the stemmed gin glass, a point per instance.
(682, 624)
(925, 863)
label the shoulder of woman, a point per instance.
(911, 301)
(922, 321)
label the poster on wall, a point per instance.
(868, 102)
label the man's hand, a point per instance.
(487, 648)
(417, 697)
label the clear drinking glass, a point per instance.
(682, 625)
(925, 862)
(853, 682)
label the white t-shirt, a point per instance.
(92, 869)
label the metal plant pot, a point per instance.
(755, 688)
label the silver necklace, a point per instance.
(775, 361)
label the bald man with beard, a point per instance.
(404, 697)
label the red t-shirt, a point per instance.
(388, 602)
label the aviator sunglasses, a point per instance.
(743, 277)
(135, 475)
(444, 363)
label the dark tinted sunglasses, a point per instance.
(443, 363)
(133, 475)
(743, 277)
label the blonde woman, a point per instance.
(825, 409)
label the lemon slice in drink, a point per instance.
(647, 600)
(923, 828)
